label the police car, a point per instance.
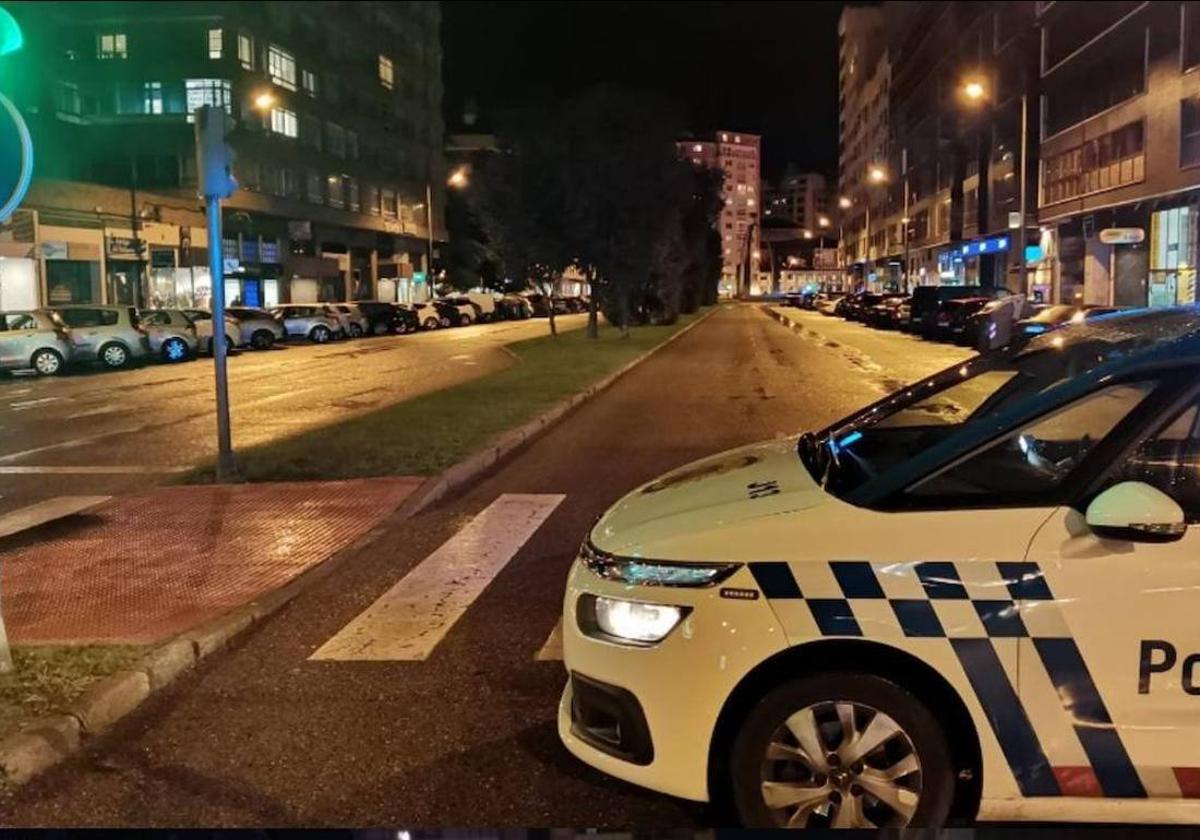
(978, 597)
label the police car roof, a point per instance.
(1135, 335)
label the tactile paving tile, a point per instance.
(146, 567)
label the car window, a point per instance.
(1038, 457)
(156, 319)
(19, 321)
(89, 317)
(1170, 461)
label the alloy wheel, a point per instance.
(174, 350)
(320, 335)
(114, 356)
(841, 765)
(47, 362)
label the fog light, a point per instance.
(632, 621)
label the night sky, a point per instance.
(765, 68)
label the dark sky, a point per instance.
(765, 68)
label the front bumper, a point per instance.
(647, 714)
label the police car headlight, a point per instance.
(635, 570)
(631, 622)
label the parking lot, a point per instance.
(97, 432)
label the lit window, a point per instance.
(388, 199)
(724, 138)
(207, 92)
(215, 43)
(152, 98)
(281, 67)
(352, 194)
(373, 200)
(284, 122)
(387, 73)
(308, 79)
(111, 45)
(246, 51)
(697, 148)
(335, 198)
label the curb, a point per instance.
(48, 740)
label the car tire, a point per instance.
(813, 707)
(320, 334)
(431, 323)
(445, 322)
(47, 362)
(262, 340)
(174, 350)
(355, 331)
(379, 328)
(113, 355)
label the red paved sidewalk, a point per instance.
(144, 568)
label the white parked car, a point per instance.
(173, 335)
(308, 320)
(975, 598)
(203, 320)
(352, 320)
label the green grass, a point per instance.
(46, 679)
(429, 433)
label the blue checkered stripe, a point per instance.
(1027, 611)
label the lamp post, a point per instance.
(875, 175)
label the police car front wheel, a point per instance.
(841, 750)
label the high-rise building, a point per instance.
(338, 139)
(798, 197)
(738, 155)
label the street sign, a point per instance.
(16, 158)
(1122, 236)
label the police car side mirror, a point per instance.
(1137, 512)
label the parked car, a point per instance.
(111, 335)
(385, 318)
(308, 320)
(466, 311)
(350, 317)
(538, 304)
(1059, 315)
(37, 339)
(203, 320)
(485, 302)
(173, 335)
(926, 301)
(858, 305)
(904, 314)
(429, 315)
(950, 324)
(883, 314)
(259, 328)
(827, 302)
(513, 308)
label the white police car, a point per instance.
(977, 597)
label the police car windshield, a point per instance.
(888, 433)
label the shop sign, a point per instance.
(54, 250)
(991, 245)
(1122, 236)
(418, 277)
(124, 246)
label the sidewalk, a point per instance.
(144, 568)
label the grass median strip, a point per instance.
(429, 433)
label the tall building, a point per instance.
(798, 197)
(339, 134)
(1119, 189)
(738, 156)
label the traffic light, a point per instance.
(214, 155)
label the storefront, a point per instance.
(980, 262)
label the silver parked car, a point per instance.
(260, 328)
(37, 339)
(172, 334)
(203, 320)
(111, 335)
(309, 321)
(351, 318)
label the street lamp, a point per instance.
(458, 178)
(973, 90)
(877, 174)
(845, 203)
(264, 100)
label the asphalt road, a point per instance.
(94, 432)
(263, 735)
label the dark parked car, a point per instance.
(1059, 315)
(858, 305)
(513, 308)
(539, 305)
(883, 315)
(385, 318)
(926, 300)
(950, 324)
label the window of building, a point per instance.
(335, 197)
(216, 43)
(335, 139)
(69, 99)
(289, 182)
(352, 195)
(1095, 83)
(387, 73)
(283, 122)
(111, 45)
(271, 183)
(313, 189)
(372, 199)
(152, 98)
(248, 174)
(1189, 132)
(281, 67)
(1110, 160)
(308, 80)
(1191, 36)
(214, 92)
(1069, 33)
(330, 81)
(387, 199)
(1172, 257)
(310, 132)
(246, 51)
(351, 145)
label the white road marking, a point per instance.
(407, 622)
(46, 511)
(111, 408)
(25, 405)
(116, 469)
(552, 649)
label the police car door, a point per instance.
(1114, 631)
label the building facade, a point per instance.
(1119, 182)
(338, 140)
(739, 157)
(799, 198)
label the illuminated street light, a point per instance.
(264, 100)
(877, 175)
(973, 90)
(458, 178)
(823, 221)
(808, 234)
(845, 203)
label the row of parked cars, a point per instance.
(47, 340)
(964, 315)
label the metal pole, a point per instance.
(867, 263)
(1022, 268)
(429, 231)
(135, 229)
(216, 267)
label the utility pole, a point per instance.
(135, 228)
(429, 233)
(1022, 268)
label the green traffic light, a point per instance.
(11, 38)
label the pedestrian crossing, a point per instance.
(408, 621)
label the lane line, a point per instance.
(25, 405)
(407, 622)
(552, 650)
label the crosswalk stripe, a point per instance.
(552, 650)
(407, 622)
